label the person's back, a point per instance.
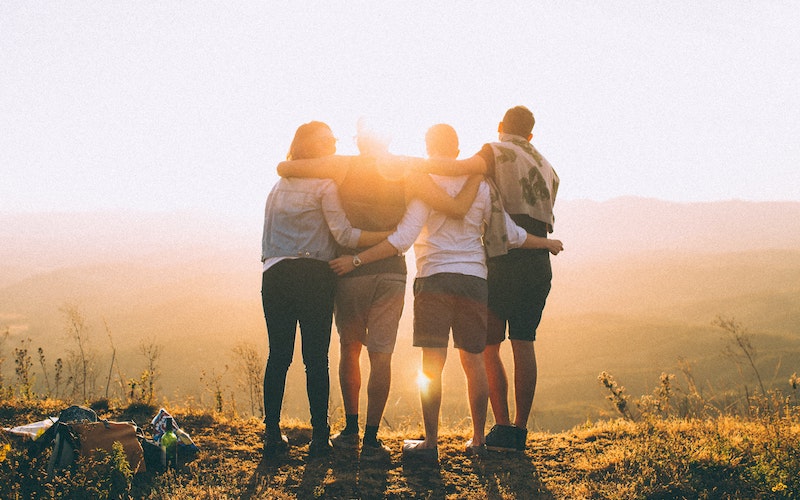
(519, 282)
(298, 221)
(373, 201)
(454, 245)
(527, 182)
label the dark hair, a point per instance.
(518, 121)
(442, 140)
(307, 142)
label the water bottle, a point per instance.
(169, 442)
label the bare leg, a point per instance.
(525, 374)
(478, 389)
(433, 359)
(498, 384)
(350, 376)
(380, 379)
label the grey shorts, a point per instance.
(368, 310)
(450, 300)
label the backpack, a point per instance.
(79, 432)
(83, 438)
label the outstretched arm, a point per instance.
(370, 238)
(537, 242)
(395, 244)
(422, 186)
(473, 165)
(518, 238)
(328, 167)
(345, 264)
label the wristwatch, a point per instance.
(356, 261)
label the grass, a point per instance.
(721, 457)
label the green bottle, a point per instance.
(169, 442)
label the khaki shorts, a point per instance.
(368, 310)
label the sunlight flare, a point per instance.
(423, 382)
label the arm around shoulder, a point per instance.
(328, 167)
(347, 263)
(451, 167)
(422, 186)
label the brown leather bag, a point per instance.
(102, 435)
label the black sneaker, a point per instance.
(346, 441)
(375, 451)
(502, 438)
(320, 444)
(522, 438)
(275, 444)
(319, 447)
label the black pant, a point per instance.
(298, 291)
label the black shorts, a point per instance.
(450, 300)
(519, 284)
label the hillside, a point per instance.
(625, 301)
(661, 458)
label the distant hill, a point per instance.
(629, 226)
(636, 289)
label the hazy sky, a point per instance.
(189, 105)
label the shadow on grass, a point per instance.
(373, 479)
(510, 473)
(425, 480)
(338, 475)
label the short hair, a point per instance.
(307, 140)
(371, 136)
(518, 121)
(442, 140)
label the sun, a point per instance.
(423, 382)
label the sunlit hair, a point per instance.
(518, 121)
(442, 140)
(312, 140)
(370, 138)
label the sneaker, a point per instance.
(275, 444)
(478, 450)
(412, 451)
(345, 441)
(320, 444)
(319, 447)
(502, 438)
(521, 438)
(375, 452)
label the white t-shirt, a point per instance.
(445, 244)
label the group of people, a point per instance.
(335, 231)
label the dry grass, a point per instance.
(715, 458)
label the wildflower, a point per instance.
(4, 452)
(779, 487)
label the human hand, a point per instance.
(342, 265)
(554, 246)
